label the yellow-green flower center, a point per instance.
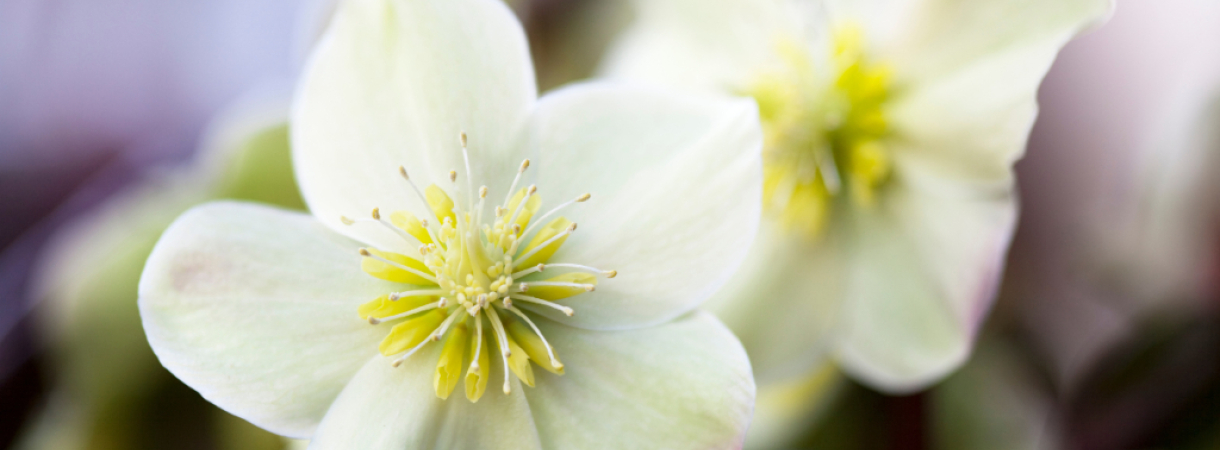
(475, 283)
(825, 131)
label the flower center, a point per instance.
(824, 132)
(475, 283)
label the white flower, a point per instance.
(466, 278)
(891, 130)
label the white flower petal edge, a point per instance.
(392, 84)
(943, 36)
(927, 271)
(685, 384)
(240, 302)
(396, 408)
(677, 186)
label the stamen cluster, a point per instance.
(824, 132)
(471, 275)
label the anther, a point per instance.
(373, 320)
(462, 136)
(572, 227)
(611, 273)
(524, 165)
(453, 176)
(533, 188)
(482, 192)
(346, 220)
(376, 213)
(403, 171)
(583, 197)
(525, 287)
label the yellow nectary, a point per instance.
(468, 282)
(824, 132)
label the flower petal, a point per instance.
(968, 96)
(710, 46)
(944, 36)
(395, 408)
(393, 83)
(682, 385)
(676, 184)
(255, 308)
(785, 302)
(926, 272)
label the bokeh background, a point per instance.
(115, 115)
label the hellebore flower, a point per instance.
(891, 128)
(430, 261)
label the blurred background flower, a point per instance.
(1105, 336)
(95, 93)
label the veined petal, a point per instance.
(701, 45)
(397, 408)
(676, 184)
(393, 83)
(255, 308)
(682, 385)
(926, 270)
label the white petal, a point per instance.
(676, 184)
(393, 83)
(928, 263)
(943, 36)
(682, 385)
(397, 408)
(784, 303)
(701, 45)
(926, 270)
(255, 308)
(968, 99)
